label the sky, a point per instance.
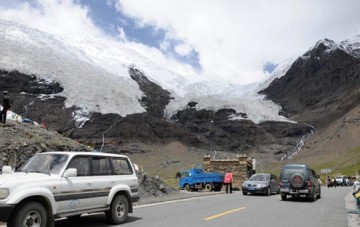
(239, 41)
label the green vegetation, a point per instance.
(344, 163)
(341, 163)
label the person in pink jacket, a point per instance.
(228, 179)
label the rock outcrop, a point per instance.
(320, 87)
(206, 129)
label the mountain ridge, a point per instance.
(116, 113)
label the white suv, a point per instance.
(68, 184)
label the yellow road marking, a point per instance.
(224, 213)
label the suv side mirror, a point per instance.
(72, 172)
(6, 170)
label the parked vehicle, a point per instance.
(198, 179)
(67, 184)
(299, 180)
(261, 183)
(341, 181)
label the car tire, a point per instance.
(244, 193)
(29, 214)
(119, 210)
(268, 192)
(313, 195)
(283, 196)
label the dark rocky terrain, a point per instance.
(319, 88)
(19, 142)
(204, 129)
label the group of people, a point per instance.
(6, 104)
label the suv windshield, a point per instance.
(286, 173)
(45, 163)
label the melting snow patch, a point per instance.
(81, 116)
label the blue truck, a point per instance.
(195, 179)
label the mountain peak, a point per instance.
(322, 47)
(352, 46)
(326, 46)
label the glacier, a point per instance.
(95, 78)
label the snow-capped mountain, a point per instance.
(352, 46)
(94, 75)
(109, 96)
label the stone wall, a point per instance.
(240, 167)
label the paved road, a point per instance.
(236, 210)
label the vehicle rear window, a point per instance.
(286, 173)
(121, 166)
(259, 177)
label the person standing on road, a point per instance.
(228, 179)
(6, 104)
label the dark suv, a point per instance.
(299, 180)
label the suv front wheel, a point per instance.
(29, 214)
(118, 210)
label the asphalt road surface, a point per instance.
(235, 210)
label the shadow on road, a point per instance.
(97, 220)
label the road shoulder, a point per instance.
(350, 205)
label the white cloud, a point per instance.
(55, 17)
(183, 49)
(235, 38)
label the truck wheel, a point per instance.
(119, 210)
(187, 187)
(29, 214)
(283, 196)
(208, 187)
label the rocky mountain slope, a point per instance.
(322, 88)
(19, 142)
(206, 129)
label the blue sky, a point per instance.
(106, 16)
(240, 41)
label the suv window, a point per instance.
(100, 166)
(286, 173)
(121, 166)
(82, 165)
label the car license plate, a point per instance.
(251, 189)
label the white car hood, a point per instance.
(21, 177)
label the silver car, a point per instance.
(261, 183)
